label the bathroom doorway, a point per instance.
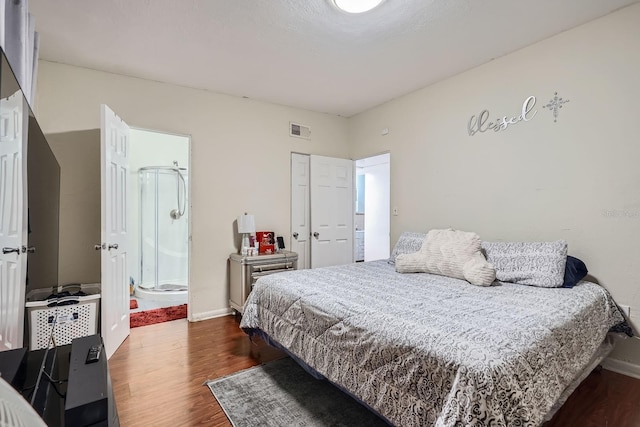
(372, 213)
(160, 225)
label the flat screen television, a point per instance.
(43, 192)
(42, 247)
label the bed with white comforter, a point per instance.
(422, 349)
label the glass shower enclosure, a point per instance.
(164, 229)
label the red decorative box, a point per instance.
(267, 240)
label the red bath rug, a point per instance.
(158, 315)
(133, 304)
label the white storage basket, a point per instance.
(77, 317)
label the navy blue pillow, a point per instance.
(574, 271)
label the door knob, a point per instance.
(316, 234)
(10, 250)
(100, 246)
(30, 249)
(295, 235)
(114, 246)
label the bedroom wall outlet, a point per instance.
(626, 310)
(395, 211)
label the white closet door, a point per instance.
(300, 215)
(332, 210)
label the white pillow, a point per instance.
(451, 253)
(478, 271)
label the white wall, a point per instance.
(575, 179)
(240, 155)
(150, 148)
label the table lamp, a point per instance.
(246, 226)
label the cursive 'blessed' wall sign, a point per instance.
(481, 123)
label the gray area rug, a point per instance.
(281, 393)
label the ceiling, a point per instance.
(300, 53)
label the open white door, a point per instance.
(300, 230)
(14, 123)
(332, 211)
(114, 175)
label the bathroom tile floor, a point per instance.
(145, 304)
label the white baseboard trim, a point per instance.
(622, 367)
(196, 317)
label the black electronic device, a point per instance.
(280, 240)
(89, 398)
(93, 355)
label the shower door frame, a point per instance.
(156, 173)
(188, 207)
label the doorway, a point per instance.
(160, 225)
(321, 210)
(372, 212)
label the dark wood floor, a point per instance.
(158, 377)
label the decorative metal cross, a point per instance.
(555, 104)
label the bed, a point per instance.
(424, 349)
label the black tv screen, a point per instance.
(43, 186)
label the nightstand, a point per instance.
(245, 270)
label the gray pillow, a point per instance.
(528, 263)
(408, 243)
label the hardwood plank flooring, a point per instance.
(158, 377)
(158, 373)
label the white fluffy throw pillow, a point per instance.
(451, 253)
(478, 271)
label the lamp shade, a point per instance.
(246, 224)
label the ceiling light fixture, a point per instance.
(356, 6)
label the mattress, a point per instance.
(423, 349)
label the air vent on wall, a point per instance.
(299, 131)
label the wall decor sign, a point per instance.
(481, 123)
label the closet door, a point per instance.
(322, 209)
(332, 210)
(300, 215)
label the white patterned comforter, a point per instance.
(427, 350)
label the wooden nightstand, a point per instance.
(245, 270)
